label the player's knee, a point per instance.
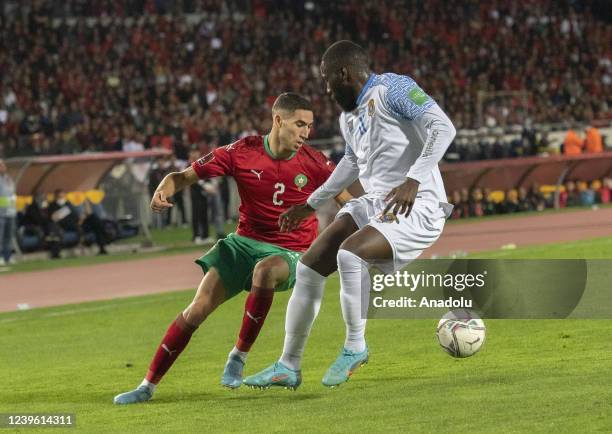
(269, 273)
(312, 260)
(196, 313)
(204, 303)
(353, 245)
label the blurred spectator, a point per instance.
(586, 193)
(91, 222)
(490, 207)
(593, 143)
(174, 165)
(573, 144)
(8, 213)
(215, 204)
(455, 200)
(36, 221)
(157, 173)
(35, 214)
(596, 186)
(199, 207)
(605, 192)
(63, 213)
(524, 204)
(476, 208)
(535, 197)
(570, 196)
(464, 202)
(511, 203)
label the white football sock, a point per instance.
(236, 352)
(302, 310)
(354, 292)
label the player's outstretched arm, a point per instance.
(171, 184)
(345, 173)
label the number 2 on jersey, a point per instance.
(280, 189)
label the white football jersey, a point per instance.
(396, 131)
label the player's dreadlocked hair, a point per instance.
(290, 102)
(346, 54)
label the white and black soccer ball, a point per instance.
(461, 333)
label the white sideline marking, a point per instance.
(77, 311)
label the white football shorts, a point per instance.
(408, 236)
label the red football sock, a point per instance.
(256, 309)
(174, 342)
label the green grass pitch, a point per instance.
(535, 376)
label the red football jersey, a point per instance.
(268, 187)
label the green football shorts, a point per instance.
(235, 257)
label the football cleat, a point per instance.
(341, 370)
(277, 375)
(140, 394)
(232, 374)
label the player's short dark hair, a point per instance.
(290, 102)
(346, 54)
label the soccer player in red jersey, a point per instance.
(273, 173)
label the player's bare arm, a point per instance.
(401, 198)
(290, 219)
(170, 185)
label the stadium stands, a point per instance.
(111, 75)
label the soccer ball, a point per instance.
(461, 333)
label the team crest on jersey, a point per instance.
(387, 218)
(371, 107)
(350, 126)
(300, 181)
(205, 159)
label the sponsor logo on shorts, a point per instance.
(387, 218)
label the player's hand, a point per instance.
(160, 202)
(401, 198)
(290, 219)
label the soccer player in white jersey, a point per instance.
(395, 136)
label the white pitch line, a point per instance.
(77, 311)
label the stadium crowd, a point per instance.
(480, 202)
(80, 75)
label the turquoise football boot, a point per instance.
(277, 375)
(344, 366)
(140, 394)
(232, 374)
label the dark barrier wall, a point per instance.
(69, 172)
(523, 172)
